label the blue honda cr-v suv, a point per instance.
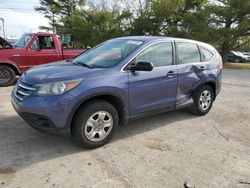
(120, 79)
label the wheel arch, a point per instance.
(212, 84)
(113, 99)
(14, 67)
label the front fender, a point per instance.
(99, 93)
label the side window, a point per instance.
(43, 42)
(49, 43)
(205, 55)
(159, 54)
(188, 53)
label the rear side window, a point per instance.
(187, 53)
(159, 54)
(205, 55)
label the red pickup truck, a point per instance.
(30, 50)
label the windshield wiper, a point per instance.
(82, 64)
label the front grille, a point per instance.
(23, 90)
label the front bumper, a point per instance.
(47, 114)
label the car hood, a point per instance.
(58, 71)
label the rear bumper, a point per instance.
(218, 83)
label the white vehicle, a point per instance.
(237, 57)
(244, 56)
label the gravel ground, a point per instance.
(164, 150)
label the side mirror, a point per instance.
(142, 66)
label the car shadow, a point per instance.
(21, 145)
(152, 122)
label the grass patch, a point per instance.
(236, 65)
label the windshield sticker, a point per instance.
(136, 42)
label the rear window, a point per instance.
(205, 55)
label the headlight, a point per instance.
(56, 88)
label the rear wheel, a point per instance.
(7, 76)
(94, 124)
(203, 100)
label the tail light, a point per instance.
(221, 65)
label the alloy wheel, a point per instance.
(98, 126)
(205, 100)
(5, 76)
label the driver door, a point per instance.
(42, 51)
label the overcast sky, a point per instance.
(20, 17)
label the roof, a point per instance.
(163, 38)
(144, 38)
(40, 33)
(153, 38)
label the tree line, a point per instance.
(222, 23)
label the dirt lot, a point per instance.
(165, 150)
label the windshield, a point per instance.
(23, 41)
(241, 54)
(108, 54)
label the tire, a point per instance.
(199, 106)
(90, 125)
(7, 76)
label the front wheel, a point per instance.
(7, 76)
(203, 100)
(94, 124)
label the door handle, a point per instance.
(202, 68)
(54, 53)
(171, 74)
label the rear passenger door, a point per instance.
(192, 65)
(155, 89)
